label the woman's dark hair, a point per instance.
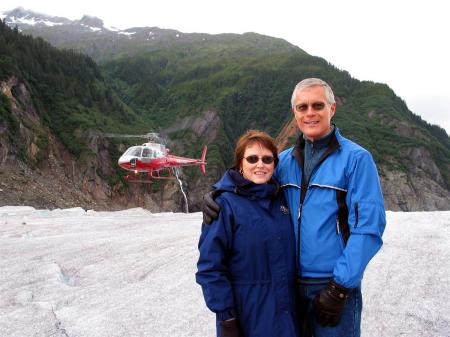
(254, 137)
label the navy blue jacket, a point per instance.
(247, 259)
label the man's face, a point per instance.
(313, 113)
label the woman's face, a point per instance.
(258, 172)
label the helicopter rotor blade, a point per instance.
(151, 136)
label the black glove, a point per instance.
(329, 303)
(230, 328)
(210, 208)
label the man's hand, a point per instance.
(230, 328)
(210, 208)
(329, 303)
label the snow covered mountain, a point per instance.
(71, 272)
(91, 36)
(24, 18)
(198, 89)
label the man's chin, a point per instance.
(313, 134)
(310, 135)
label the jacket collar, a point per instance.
(321, 143)
(233, 181)
(299, 149)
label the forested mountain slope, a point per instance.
(208, 89)
(54, 108)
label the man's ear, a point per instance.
(333, 110)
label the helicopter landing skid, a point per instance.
(148, 177)
(156, 175)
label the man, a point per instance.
(336, 206)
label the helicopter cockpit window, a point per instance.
(146, 152)
(134, 151)
(157, 154)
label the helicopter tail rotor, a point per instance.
(202, 160)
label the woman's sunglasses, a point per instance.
(254, 159)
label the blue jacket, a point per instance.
(347, 170)
(247, 259)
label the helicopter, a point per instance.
(147, 161)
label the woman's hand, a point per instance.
(230, 328)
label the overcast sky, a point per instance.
(401, 43)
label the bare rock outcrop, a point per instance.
(50, 176)
(37, 170)
(421, 187)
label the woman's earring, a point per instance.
(241, 172)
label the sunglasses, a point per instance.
(254, 159)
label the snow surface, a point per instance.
(33, 21)
(94, 29)
(127, 33)
(111, 28)
(73, 272)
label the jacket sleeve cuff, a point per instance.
(225, 315)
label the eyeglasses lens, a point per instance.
(254, 159)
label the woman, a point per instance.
(247, 265)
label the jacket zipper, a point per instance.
(303, 191)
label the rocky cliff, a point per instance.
(420, 187)
(37, 170)
(50, 177)
(195, 90)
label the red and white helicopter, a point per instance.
(147, 161)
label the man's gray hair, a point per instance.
(313, 82)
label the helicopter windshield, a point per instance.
(149, 152)
(134, 151)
